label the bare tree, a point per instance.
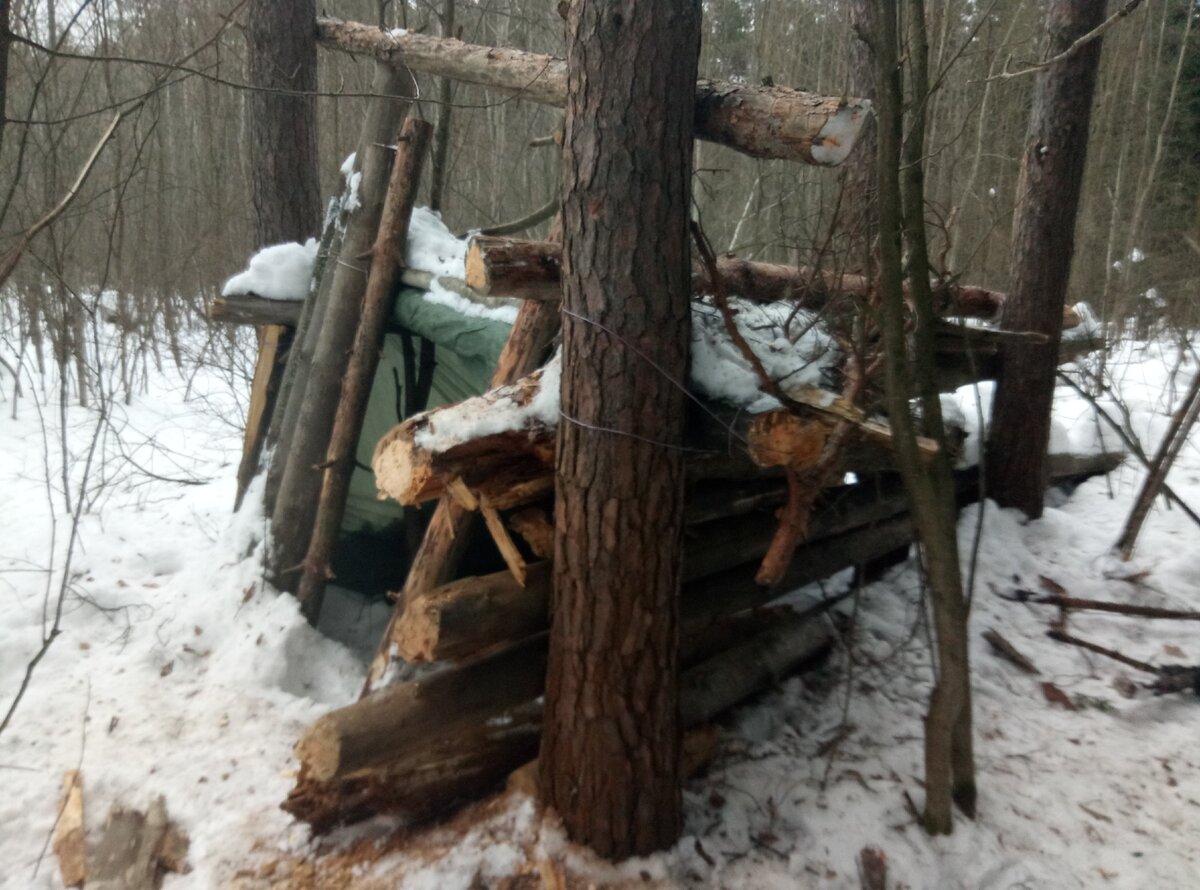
(910, 373)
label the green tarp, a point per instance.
(466, 350)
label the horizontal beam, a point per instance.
(762, 122)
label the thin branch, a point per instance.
(1075, 47)
(9, 262)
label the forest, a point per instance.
(722, 443)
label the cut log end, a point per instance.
(780, 438)
(320, 749)
(477, 270)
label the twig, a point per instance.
(1009, 652)
(528, 221)
(1063, 637)
(1070, 602)
(1087, 38)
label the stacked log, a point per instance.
(418, 749)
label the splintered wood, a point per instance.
(419, 458)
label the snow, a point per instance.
(433, 248)
(179, 672)
(477, 417)
(839, 134)
(792, 346)
(279, 272)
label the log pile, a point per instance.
(418, 748)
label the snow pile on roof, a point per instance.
(279, 272)
(477, 417)
(352, 177)
(791, 344)
(433, 248)
(1089, 328)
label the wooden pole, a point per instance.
(300, 483)
(387, 259)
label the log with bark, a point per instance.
(387, 260)
(418, 749)
(253, 309)
(763, 122)
(256, 310)
(508, 433)
(531, 270)
(445, 539)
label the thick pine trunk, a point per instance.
(1043, 241)
(609, 761)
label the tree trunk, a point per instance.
(284, 183)
(609, 761)
(1040, 264)
(387, 259)
(763, 122)
(438, 163)
(300, 483)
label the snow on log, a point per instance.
(763, 122)
(505, 427)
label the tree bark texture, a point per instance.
(610, 750)
(282, 55)
(284, 184)
(387, 259)
(763, 122)
(1043, 241)
(300, 483)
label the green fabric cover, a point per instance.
(466, 351)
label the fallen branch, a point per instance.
(1070, 602)
(1168, 677)
(763, 122)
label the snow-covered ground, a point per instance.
(177, 673)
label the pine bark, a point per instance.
(1043, 241)
(609, 761)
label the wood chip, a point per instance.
(1056, 696)
(1009, 652)
(69, 841)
